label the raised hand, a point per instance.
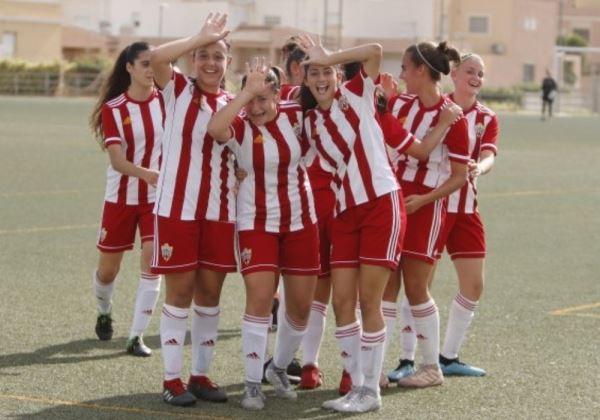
(317, 54)
(388, 85)
(255, 77)
(213, 29)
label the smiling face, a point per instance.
(263, 108)
(322, 82)
(140, 71)
(468, 77)
(210, 63)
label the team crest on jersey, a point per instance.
(127, 120)
(246, 256)
(479, 129)
(343, 103)
(297, 129)
(258, 139)
(103, 234)
(166, 251)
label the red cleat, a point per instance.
(311, 377)
(345, 383)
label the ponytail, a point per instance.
(436, 58)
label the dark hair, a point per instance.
(294, 56)
(116, 83)
(227, 47)
(351, 69)
(290, 45)
(271, 77)
(436, 58)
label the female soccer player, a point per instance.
(463, 232)
(425, 186)
(276, 223)
(195, 209)
(128, 119)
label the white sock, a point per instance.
(348, 339)
(371, 357)
(408, 337)
(311, 343)
(427, 327)
(145, 302)
(103, 294)
(205, 321)
(173, 324)
(254, 337)
(289, 337)
(461, 314)
(390, 313)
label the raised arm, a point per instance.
(367, 54)
(220, 123)
(162, 56)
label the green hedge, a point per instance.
(19, 77)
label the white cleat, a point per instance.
(253, 398)
(364, 401)
(339, 402)
(281, 383)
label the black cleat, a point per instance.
(104, 329)
(136, 347)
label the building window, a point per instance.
(530, 24)
(9, 45)
(479, 24)
(582, 32)
(528, 72)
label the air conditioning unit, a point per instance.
(498, 48)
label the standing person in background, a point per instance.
(195, 209)
(128, 119)
(425, 185)
(276, 224)
(549, 91)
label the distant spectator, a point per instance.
(549, 90)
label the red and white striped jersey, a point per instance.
(276, 195)
(289, 92)
(419, 120)
(138, 127)
(197, 176)
(483, 134)
(349, 140)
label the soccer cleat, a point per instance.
(136, 347)
(345, 383)
(405, 369)
(279, 379)
(205, 389)
(426, 375)
(294, 371)
(174, 393)
(454, 367)
(363, 401)
(311, 377)
(104, 329)
(253, 398)
(335, 404)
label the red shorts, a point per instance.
(370, 233)
(464, 235)
(186, 245)
(119, 222)
(324, 206)
(295, 253)
(424, 227)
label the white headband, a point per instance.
(425, 60)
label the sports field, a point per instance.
(537, 331)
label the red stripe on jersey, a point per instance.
(149, 135)
(185, 156)
(422, 165)
(129, 153)
(322, 152)
(204, 193)
(283, 149)
(223, 176)
(260, 188)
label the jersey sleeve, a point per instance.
(395, 135)
(457, 141)
(110, 130)
(362, 85)
(490, 136)
(175, 86)
(236, 133)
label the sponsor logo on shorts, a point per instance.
(253, 356)
(479, 129)
(103, 234)
(246, 256)
(343, 103)
(166, 251)
(258, 139)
